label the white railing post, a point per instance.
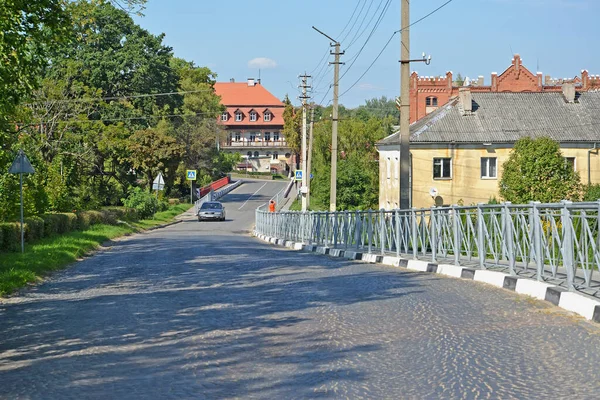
(370, 216)
(481, 251)
(537, 239)
(398, 238)
(509, 237)
(382, 231)
(455, 234)
(433, 235)
(415, 232)
(357, 229)
(568, 245)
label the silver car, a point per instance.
(211, 210)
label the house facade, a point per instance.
(253, 122)
(428, 93)
(458, 149)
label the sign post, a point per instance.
(190, 175)
(21, 165)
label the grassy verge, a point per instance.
(51, 254)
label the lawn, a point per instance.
(54, 253)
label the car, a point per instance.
(211, 210)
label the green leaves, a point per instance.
(537, 171)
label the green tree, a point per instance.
(292, 126)
(537, 171)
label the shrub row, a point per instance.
(52, 224)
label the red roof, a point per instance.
(240, 94)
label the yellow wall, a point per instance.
(466, 183)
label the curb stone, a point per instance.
(582, 305)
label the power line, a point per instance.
(135, 96)
(354, 38)
(140, 117)
(354, 24)
(390, 39)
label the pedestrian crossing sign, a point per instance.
(298, 174)
(191, 174)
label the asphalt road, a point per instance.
(203, 310)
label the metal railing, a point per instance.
(557, 242)
(279, 198)
(215, 195)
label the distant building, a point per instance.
(254, 123)
(428, 93)
(458, 149)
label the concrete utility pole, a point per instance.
(334, 123)
(404, 200)
(304, 97)
(404, 195)
(309, 156)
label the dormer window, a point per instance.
(224, 117)
(431, 101)
(238, 116)
(253, 116)
(267, 116)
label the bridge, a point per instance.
(205, 310)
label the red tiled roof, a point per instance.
(276, 117)
(240, 94)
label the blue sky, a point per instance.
(471, 37)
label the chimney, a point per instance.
(480, 80)
(568, 89)
(465, 100)
(449, 81)
(585, 76)
(494, 81)
(517, 63)
(539, 80)
(250, 81)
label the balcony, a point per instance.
(253, 144)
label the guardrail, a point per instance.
(556, 242)
(279, 198)
(215, 195)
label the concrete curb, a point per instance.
(571, 301)
(164, 225)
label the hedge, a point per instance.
(58, 223)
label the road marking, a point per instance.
(252, 195)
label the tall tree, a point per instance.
(537, 171)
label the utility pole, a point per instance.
(404, 201)
(334, 123)
(303, 189)
(404, 195)
(309, 156)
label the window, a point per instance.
(267, 136)
(570, 161)
(287, 155)
(256, 154)
(275, 156)
(431, 101)
(267, 116)
(268, 153)
(252, 136)
(488, 168)
(224, 116)
(276, 136)
(249, 154)
(442, 168)
(238, 116)
(253, 116)
(237, 137)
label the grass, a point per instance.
(50, 254)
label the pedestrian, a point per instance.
(272, 206)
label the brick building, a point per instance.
(427, 93)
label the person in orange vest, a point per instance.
(272, 206)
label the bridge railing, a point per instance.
(556, 242)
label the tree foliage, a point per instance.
(537, 171)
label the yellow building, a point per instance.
(457, 151)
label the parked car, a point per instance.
(211, 210)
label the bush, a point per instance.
(143, 202)
(592, 193)
(34, 229)
(123, 213)
(11, 236)
(59, 223)
(174, 202)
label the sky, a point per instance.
(471, 37)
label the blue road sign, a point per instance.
(298, 174)
(311, 176)
(191, 175)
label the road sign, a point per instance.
(159, 182)
(21, 165)
(190, 174)
(311, 176)
(298, 174)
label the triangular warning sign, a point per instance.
(21, 165)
